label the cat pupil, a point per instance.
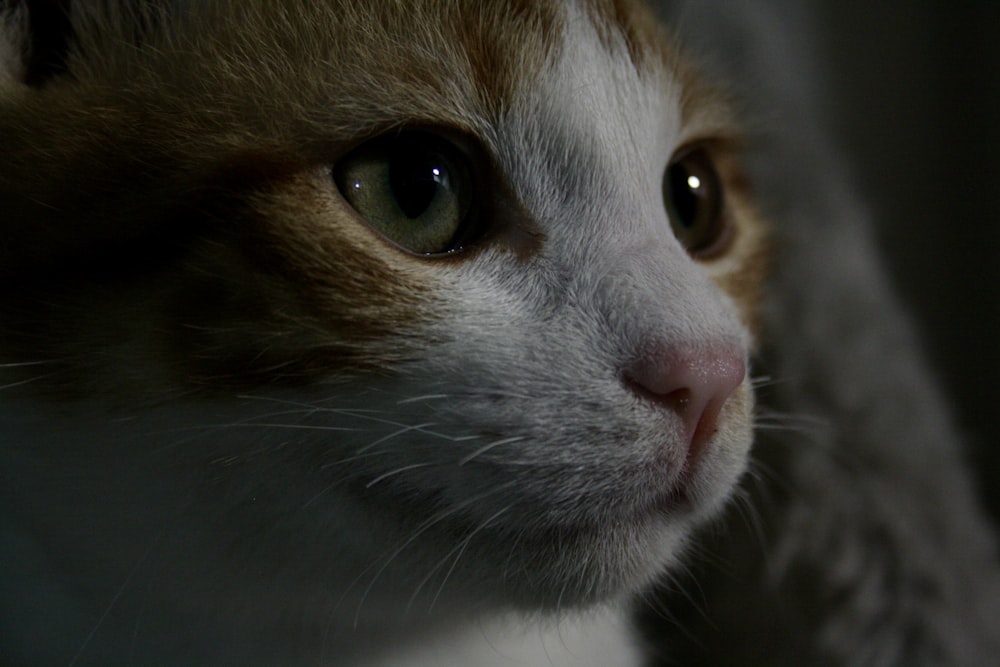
(687, 193)
(415, 180)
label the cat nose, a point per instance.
(692, 381)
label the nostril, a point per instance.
(679, 400)
(691, 381)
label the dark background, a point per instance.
(914, 104)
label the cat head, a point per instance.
(473, 283)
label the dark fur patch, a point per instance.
(223, 280)
(51, 33)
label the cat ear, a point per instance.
(34, 39)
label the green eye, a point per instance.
(413, 188)
(693, 194)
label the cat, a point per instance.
(420, 334)
(331, 332)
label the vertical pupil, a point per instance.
(414, 180)
(685, 192)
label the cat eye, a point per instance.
(414, 188)
(693, 194)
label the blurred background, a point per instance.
(914, 105)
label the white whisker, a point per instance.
(762, 381)
(367, 415)
(764, 426)
(774, 420)
(488, 447)
(397, 471)
(114, 600)
(356, 457)
(417, 399)
(417, 532)
(465, 545)
(460, 548)
(394, 434)
(793, 417)
(242, 423)
(24, 382)
(302, 427)
(339, 480)
(317, 407)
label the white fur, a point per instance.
(597, 639)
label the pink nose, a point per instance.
(692, 381)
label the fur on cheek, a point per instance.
(346, 300)
(285, 287)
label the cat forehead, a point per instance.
(360, 69)
(470, 64)
(303, 72)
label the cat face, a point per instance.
(434, 299)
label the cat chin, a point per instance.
(552, 566)
(549, 572)
(589, 569)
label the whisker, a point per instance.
(397, 471)
(424, 526)
(774, 420)
(311, 406)
(494, 393)
(559, 598)
(427, 397)
(342, 478)
(749, 513)
(114, 600)
(815, 420)
(460, 548)
(662, 609)
(326, 489)
(514, 547)
(422, 428)
(247, 422)
(22, 364)
(357, 457)
(24, 382)
(302, 427)
(765, 426)
(767, 381)
(405, 429)
(486, 448)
